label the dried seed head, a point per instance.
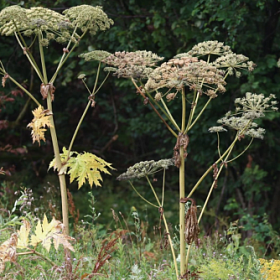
(158, 96)
(186, 71)
(133, 64)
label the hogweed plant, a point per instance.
(199, 73)
(37, 28)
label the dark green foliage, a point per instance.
(165, 27)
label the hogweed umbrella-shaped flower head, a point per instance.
(97, 55)
(52, 25)
(207, 48)
(233, 62)
(32, 21)
(89, 18)
(136, 64)
(255, 105)
(250, 107)
(145, 168)
(186, 71)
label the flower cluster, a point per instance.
(89, 18)
(52, 25)
(132, 64)
(34, 21)
(145, 168)
(250, 107)
(186, 71)
(207, 48)
(255, 105)
(233, 62)
(95, 55)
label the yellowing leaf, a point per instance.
(84, 167)
(41, 119)
(23, 235)
(63, 158)
(8, 251)
(45, 232)
(87, 167)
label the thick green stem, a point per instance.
(183, 267)
(61, 177)
(182, 213)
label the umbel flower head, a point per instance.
(207, 48)
(136, 64)
(34, 21)
(249, 108)
(95, 55)
(145, 168)
(186, 71)
(89, 18)
(51, 25)
(255, 105)
(233, 62)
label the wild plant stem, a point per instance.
(29, 56)
(183, 266)
(38, 254)
(61, 177)
(166, 228)
(142, 197)
(169, 114)
(153, 107)
(200, 113)
(84, 113)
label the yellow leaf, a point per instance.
(87, 167)
(41, 119)
(23, 235)
(63, 158)
(46, 232)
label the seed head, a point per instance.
(186, 71)
(133, 64)
(145, 168)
